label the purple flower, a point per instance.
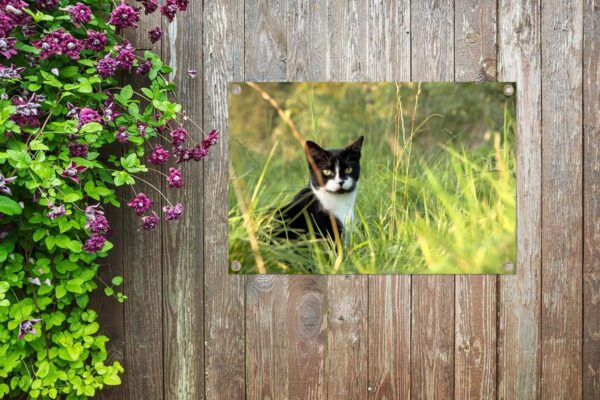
(141, 128)
(71, 46)
(14, 10)
(124, 16)
(80, 13)
(149, 222)
(173, 213)
(140, 203)
(6, 25)
(122, 136)
(94, 243)
(178, 136)
(182, 4)
(97, 223)
(159, 155)
(50, 44)
(144, 67)
(26, 327)
(192, 73)
(87, 115)
(11, 72)
(185, 155)
(95, 41)
(35, 281)
(7, 46)
(109, 111)
(72, 171)
(199, 152)
(78, 149)
(107, 66)
(210, 139)
(149, 6)
(28, 109)
(169, 9)
(125, 55)
(155, 34)
(29, 30)
(4, 182)
(175, 179)
(56, 211)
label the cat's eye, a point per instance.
(327, 172)
(348, 170)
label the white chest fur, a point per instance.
(341, 205)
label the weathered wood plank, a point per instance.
(432, 334)
(475, 296)
(347, 339)
(266, 40)
(388, 58)
(306, 322)
(183, 270)
(519, 302)
(266, 334)
(562, 199)
(591, 200)
(223, 50)
(142, 273)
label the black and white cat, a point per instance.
(331, 189)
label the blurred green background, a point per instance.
(437, 178)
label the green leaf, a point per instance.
(39, 234)
(72, 197)
(43, 369)
(112, 379)
(9, 207)
(126, 92)
(117, 280)
(75, 285)
(37, 145)
(91, 127)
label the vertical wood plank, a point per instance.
(562, 199)
(223, 38)
(347, 339)
(475, 296)
(142, 272)
(306, 331)
(591, 200)
(519, 303)
(183, 269)
(432, 347)
(267, 352)
(388, 58)
(266, 40)
(266, 296)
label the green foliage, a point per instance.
(429, 201)
(51, 345)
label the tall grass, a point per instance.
(446, 211)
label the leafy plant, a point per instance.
(61, 106)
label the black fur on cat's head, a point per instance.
(335, 170)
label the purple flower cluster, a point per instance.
(149, 222)
(95, 41)
(170, 8)
(12, 14)
(11, 72)
(175, 179)
(59, 42)
(124, 16)
(26, 327)
(78, 150)
(27, 112)
(159, 155)
(98, 225)
(173, 212)
(122, 136)
(87, 115)
(107, 66)
(4, 182)
(149, 6)
(80, 13)
(155, 34)
(144, 67)
(72, 171)
(56, 211)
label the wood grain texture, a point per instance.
(347, 341)
(432, 332)
(519, 302)
(347, 296)
(223, 38)
(591, 200)
(388, 58)
(475, 296)
(266, 350)
(562, 121)
(183, 269)
(306, 308)
(265, 40)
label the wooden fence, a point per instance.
(191, 331)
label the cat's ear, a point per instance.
(355, 146)
(314, 151)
